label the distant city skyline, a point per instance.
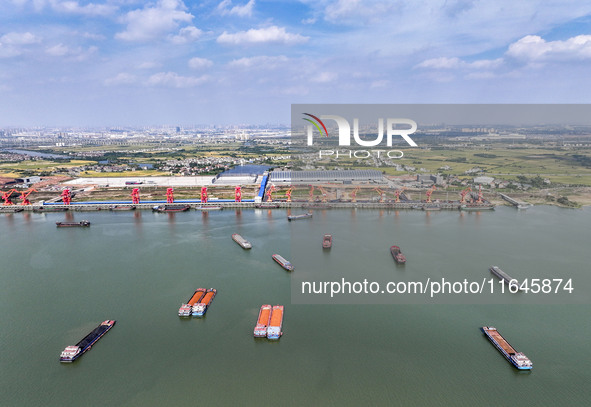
(179, 63)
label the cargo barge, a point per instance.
(71, 353)
(121, 208)
(186, 308)
(517, 359)
(282, 262)
(327, 241)
(397, 255)
(245, 244)
(298, 217)
(260, 330)
(83, 223)
(202, 306)
(511, 282)
(477, 207)
(171, 208)
(210, 208)
(276, 323)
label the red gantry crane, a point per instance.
(169, 195)
(479, 200)
(382, 194)
(203, 194)
(324, 194)
(354, 194)
(135, 196)
(25, 196)
(288, 194)
(6, 196)
(464, 193)
(311, 195)
(270, 193)
(398, 192)
(429, 192)
(66, 196)
(238, 194)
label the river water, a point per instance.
(56, 285)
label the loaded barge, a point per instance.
(186, 308)
(327, 241)
(171, 208)
(517, 359)
(274, 329)
(83, 223)
(71, 353)
(298, 217)
(245, 244)
(282, 262)
(397, 255)
(511, 282)
(201, 307)
(260, 330)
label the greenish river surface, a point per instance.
(56, 285)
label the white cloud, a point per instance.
(90, 9)
(77, 54)
(535, 49)
(359, 11)
(200, 63)
(122, 78)
(154, 20)
(324, 77)
(186, 34)
(262, 61)
(14, 38)
(457, 63)
(174, 80)
(58, 50)
(225, 8)
(271, 34)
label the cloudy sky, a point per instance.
(175, 62)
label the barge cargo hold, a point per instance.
(202, 306)
(397, 255)
(477, 207)
(282, 262)
(517, 359)
(245, 244)
(171, 208)
(210, 208)
(71, 353)
(121, 208)
(186, 308)
(276, 323)
(327, 241)
(298, 217)
(511, 282)
(83, 223)
(260, 330)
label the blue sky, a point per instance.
(175, 62)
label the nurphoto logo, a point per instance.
(344, 131)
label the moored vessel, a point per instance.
(397, 255)
(71, 353)
(245, 244)
(210, 208)
(171, 208)
(276, 323)
(477, 207)
(327, 241)
(121, 207)
(510, 281)
(260, 330)
(307, 215)
(282, 262)
(517, 359)
(83, 223)
(186, 308)
(200, 308)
